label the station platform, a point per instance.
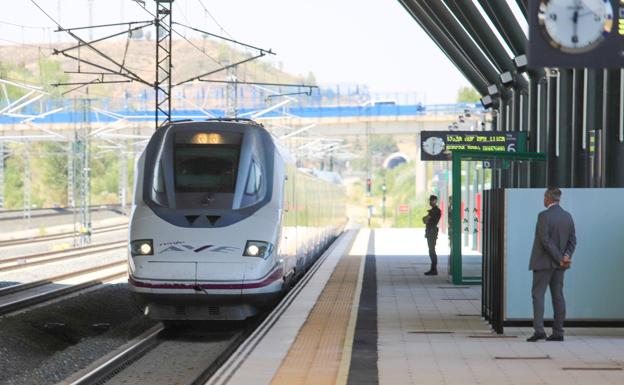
(368, 315)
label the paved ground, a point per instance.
(430, 332)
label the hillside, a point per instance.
(23, 63)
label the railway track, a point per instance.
(190, 356)
(8, 215)
(21, 296)
(166, 356)
(31, 260)
(52, 237)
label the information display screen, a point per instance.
(437, 145)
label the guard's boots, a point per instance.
(432, 271)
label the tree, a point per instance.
(467, 94)
(310, 79)
(383, 144)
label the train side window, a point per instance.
(255, 179)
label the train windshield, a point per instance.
(206, 162)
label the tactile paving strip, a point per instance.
(315, 356)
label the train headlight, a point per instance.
(258, 249)
(141, 247)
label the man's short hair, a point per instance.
(433, 197)
(553, 193)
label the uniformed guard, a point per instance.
(431, 232)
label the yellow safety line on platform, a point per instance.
(318, 355)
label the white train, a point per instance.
(223, 222)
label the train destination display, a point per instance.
(437, 145)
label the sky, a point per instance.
(365, 42)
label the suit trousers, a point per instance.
(542, 279)
(431, 243)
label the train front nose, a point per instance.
(185, 264)
(205, 186)
(186, 280)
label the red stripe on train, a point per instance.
(215, 286)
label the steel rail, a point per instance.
(52, 237)
(26, 302)
(30, 285)
(25, 261)
(130, 353)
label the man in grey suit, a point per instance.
(554, 244)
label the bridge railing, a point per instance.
(110, 110)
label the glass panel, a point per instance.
(205, 168)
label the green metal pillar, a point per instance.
(504, 177)
(524, 105)
(457, 158)
(456, 262)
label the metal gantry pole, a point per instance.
(71, 174)
(83, 145)
(162, 84)
(27, 185)
(231, 95)
(1, 174)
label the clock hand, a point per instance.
(575, 17)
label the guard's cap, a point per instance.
(433, 197)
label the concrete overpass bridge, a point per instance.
(329, 121)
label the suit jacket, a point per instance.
(554, 237)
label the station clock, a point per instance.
(433, 145)
(575, 26)
(576, 34)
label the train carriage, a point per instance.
(223, 221)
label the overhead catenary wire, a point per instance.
(201, 3)
(25, 26)
(45, 13)
(26, 45)
(182, 36)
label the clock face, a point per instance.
(433, 145)
(575, 26)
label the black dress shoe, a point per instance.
(432, 272)
(536, 337)
(554, 338)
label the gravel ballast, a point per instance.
(49, 343)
